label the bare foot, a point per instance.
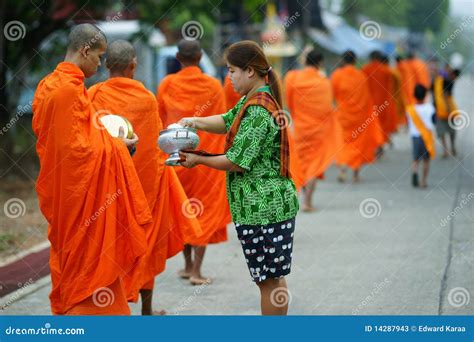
(184, 274)
(159, 313)
(444, 156)
(423, 185)
(308, 209)
(200, 280)
(355, 179)
(154, 313)
(341, 177)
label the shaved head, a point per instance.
(86, 35)
(189, 51)
(119, 55)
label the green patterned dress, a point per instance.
(260, 195)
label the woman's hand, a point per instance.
(188, 122)
(190, 160)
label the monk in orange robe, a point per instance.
(317, 134)
(123, 95)
(362, 134)
(397, 93)
(231, 96)
(420, 70)
(408, 80)
(88, 189)
(192, 93)
(381, 88)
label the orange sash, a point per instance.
(442, 111)
(426, 134)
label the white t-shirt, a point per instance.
(425, 112)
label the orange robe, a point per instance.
(381, 88)
(164, 193)
(90, 194)
(362, 134)
(192, 93)
(317, 133)
(398, 97)
(408, 81)
(421, 72)
(231, 96)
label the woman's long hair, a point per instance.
(248, 53)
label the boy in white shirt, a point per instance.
(421, 130)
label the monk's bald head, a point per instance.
(86, 35)
(120, 54)
(189, 52)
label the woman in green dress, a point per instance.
(261, 194)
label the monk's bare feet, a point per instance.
(341, 177)
(355, 179)
(308, 209)
(445, 155)
(200, 280)
(154, 313)
(184, 274)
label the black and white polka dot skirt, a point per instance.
(268, 249)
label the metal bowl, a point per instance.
(173, 140)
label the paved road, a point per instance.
(415, 257)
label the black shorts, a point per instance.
(268, 249)
(419, 149)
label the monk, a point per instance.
(88, 189)
(121, 94)
(358, 119)
(407, 83)
(231, 96)
(192, 93)
(446, 108)
(419, 69)
(397, 93)
(381, 88)
(317, 134)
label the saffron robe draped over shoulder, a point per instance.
(362, 133)
(89, 193)
(317, 133)
(191, 93)
(164, 193)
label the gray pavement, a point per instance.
(414, 257)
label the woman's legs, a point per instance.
(275, 296)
